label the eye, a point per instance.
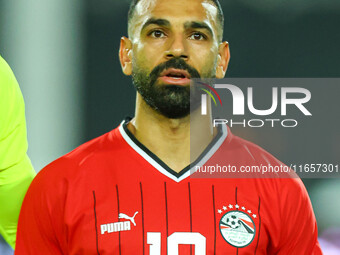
(157, 34)
(197, 36)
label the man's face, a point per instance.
(172, 42)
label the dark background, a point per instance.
(280, 43)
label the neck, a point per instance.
(169, 139)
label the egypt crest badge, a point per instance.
(237, 227)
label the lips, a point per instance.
(176, 73)
(174, 76)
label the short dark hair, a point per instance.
(220, 15)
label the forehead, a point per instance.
(186, 10)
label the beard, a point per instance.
(170, 101)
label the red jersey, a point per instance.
(113, 196)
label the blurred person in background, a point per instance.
(16, 171)
(130, 192)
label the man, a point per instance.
(16, 171)
(130, 190)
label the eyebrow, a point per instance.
(187, 25)
(159, 22)
(198, 25)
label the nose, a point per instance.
(177, 48)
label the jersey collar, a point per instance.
(157, 163)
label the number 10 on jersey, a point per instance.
(174, 240)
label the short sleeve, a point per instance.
(41, 227)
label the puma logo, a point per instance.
(126, 217)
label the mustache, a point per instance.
(177, 63)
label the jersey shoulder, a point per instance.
(78, 162)
(284, 181)
(250, 150)
(251, 160)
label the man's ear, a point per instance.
(223, 60)
(125, 55)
